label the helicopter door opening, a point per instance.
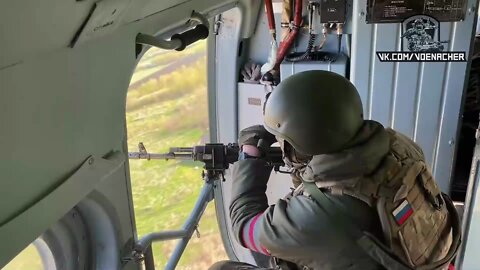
(167, 106)
(423, 100)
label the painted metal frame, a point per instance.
(228, 59)
(91, 172)
(143, 247)
(467, 259)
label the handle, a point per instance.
(188, 37)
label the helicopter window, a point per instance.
(167, 107)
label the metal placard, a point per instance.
(392, 11)
(332, 11)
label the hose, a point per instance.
(286, 18)
(272, 57)
(287, 43)
(270, 18)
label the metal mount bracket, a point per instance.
(179, 41)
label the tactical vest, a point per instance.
(421, 228)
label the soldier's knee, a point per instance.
(221, 265)
(231, 265)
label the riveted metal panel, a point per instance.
(421, 100)
(380, 100)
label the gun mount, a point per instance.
(216, 156)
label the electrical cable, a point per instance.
(305, 56)
(322, 43)
(339, 36)
(313, 55)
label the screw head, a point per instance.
(471, 9)
(90, 161)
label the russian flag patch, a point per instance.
(402, 212)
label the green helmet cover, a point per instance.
(317, 112)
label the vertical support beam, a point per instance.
(206, 195)
(149, 262)
(212, 80)
(468, 256)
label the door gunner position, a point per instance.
(364, 197)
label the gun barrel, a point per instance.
(181, 149)
(216, 156)
(166, 156)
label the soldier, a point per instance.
(419, 40)
(365, 199)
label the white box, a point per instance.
(289, 68)
(251, 98)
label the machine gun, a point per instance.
(216, 156)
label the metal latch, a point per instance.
(216, 25)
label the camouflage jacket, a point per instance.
(297, 229)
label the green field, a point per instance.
(167, 111)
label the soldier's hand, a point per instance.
(256, 136)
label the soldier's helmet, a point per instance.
(418, 24)
(316, 112)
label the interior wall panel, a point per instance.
(380, 100)
(404, 101)
(413, 98)
(428, 104)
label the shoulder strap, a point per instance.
(456, 232)
(369, 244)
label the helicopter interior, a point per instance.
(66, 66)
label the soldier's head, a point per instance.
(418, 23)
(314, 112)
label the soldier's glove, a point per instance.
(251, 73)
(257, 136)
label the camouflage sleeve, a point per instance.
(249, 201)
(250, 234)
(289, 229)
(257, 225)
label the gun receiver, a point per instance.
(216, 156)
